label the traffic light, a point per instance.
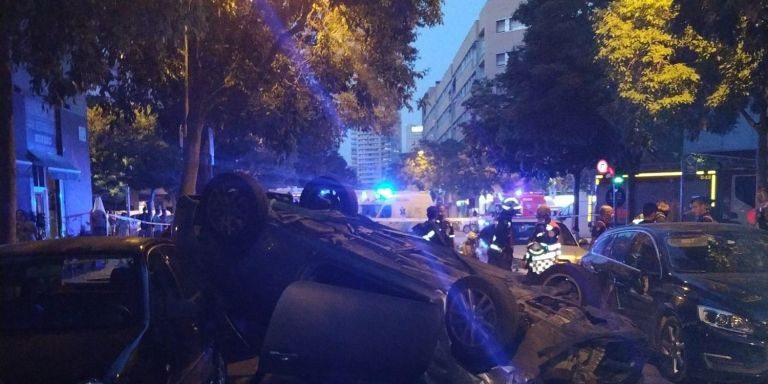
(618, 180)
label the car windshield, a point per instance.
(42, 294)
(723, 251)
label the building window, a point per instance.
(501, 26)
(501, 59)
(509, 25)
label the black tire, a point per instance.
(342, 198)
(574, 283)
(670, 345)
(234, 209)
(482, 321)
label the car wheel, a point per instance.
(671, 348)
(573, 283)
(481, 320)
(234, 209)
(328, 193)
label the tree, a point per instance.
(546, 111)
(130, 154)
(60, 47)
(699, 62)
(445, 168)
(274, 69)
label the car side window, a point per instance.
(620, 246)
(603, 245)
(643, 254)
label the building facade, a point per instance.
(482, 55)
(411, 136)
(53, 168)
(370, 155)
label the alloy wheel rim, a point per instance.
(672, 347)
(473, 317)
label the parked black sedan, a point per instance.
(102, 310)
(698, 290)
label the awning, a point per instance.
(58, 167)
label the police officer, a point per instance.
(544, 244)
(430, 229)
(500, 251)
(700, 210)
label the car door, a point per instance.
(634, 290)
(177, 319)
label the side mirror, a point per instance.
(583, 243)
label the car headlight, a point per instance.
(719, 318)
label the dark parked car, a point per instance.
(321, 293)
(698, 290)
(102, 310)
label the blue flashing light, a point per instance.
(518, 192)
(385, 191)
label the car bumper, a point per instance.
(726, 356)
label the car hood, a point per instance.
(746, 293)
(71, 357)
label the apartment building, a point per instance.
(411, 136)
(482, 55)
(53, 165)
(370, 154)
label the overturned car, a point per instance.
(320, 293)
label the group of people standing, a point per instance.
(653, 213)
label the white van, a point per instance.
(400, 205)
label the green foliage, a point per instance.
(446, 167)
(544, 113)
(130, 154)
(275, 71)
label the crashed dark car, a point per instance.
(321, 293)
(103, 310)
(698, 290)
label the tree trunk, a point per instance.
(576, 190)
(192, 155)
(205, 173)
(7, 149)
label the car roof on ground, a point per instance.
(81, 245)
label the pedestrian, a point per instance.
(700, 210)
(662, 211)
(145, 218)
(158, 222)
(603, 222)
(650, 213)
(544, 243)
(123, 225)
